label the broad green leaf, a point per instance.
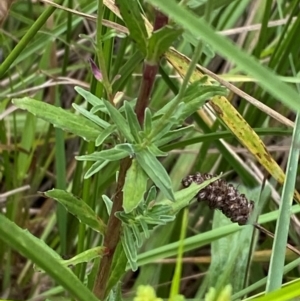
(34, 249)
(59, 117)
(160, 41)
(96, 167)
(132, 17)
(156, 172)
(94, 118)
(135, 187)
(133, 122)
(78, 208)
(119, 121)
(111, 154)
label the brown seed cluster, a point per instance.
(223, 196)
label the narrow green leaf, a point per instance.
(151, 196)
(133, 122)
(127, 147)
(119, 121)
(89, 97)
(94, 118)
(105, 134)
(63, 119)
(96, 167)
(137, 235)
(185, 196)
(132, 17)
(148, 121)
(160, 41)
(156, 172)
(111, 154)
(156, 151)
(78, 208)
(129, 247)
(108, 203)
(173, 135)
(135, 187)
(118, 267)
(85, 256)
(32, 248)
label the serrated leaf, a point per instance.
(94, 118)
(135, 187)
(132, 17)
(133, 122)
(156, 172)
(105, 134)
(111, 154)
(84, 213)
(96, 167)
(60, 118)
(160, 41)
(119, 121)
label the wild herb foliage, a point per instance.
(113, 150)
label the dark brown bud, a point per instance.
(223, 196)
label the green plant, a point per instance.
(125, 189)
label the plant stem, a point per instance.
(112, 235)
(100, 54)
(149, 74)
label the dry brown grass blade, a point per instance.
(4, 8)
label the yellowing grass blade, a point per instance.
(234, 121)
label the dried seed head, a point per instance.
(223, 196)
